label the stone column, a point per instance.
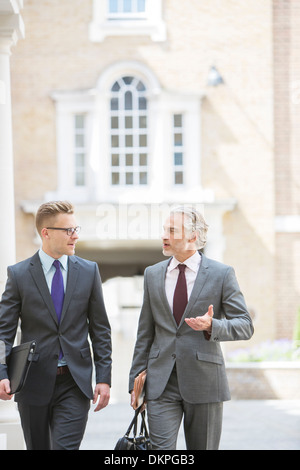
(11, 29)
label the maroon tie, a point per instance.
(180, 298)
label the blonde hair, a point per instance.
(194, 222)
(49, 210)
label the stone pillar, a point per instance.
(11, 29)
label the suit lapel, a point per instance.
(160, 279)
(37, 273)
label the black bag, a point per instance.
(140, 442)
(19, 362)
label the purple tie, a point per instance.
(57, 289)
(57, 293)
(180, 298)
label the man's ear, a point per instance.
(44, 233)
(193, 239)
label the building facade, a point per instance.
(127, 108)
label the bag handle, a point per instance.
(134, 422)
(143, 429)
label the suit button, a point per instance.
(178, 335)
(174, 356)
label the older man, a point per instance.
(191, 304)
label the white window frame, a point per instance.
(162, 105)
(149, 23)
(68, 105)
(120, 14)
(124, 169)
(179, 168)
(80, 150)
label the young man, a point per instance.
(191, 303)
(57, 297)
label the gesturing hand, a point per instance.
(202, 323)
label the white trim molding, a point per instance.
(287, 224)
(152, 24)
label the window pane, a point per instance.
(79, 178)
(140, 86)
(178, 139)
(143, 122)
(127, 80)
(143, 177)
(129, 159)
(79, 140)
(177, 120)
(115, 141)
(178, 158)
(127, 6)
(141, 5)
(129, 178)
(113, 6)
(79, 160)
(142, 103)
(79, 121)
(114, 122)
(115, 159)
(114, 104)
(143, 140)
(128, 100)
(143, 159)
(128, 140)
(115, 178)
(116, 87)
(178, 177)
(128, 122)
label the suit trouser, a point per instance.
(202, 422)
(59, 425)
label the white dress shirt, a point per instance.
(191, 271)
(49, 270)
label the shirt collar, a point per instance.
(47, 261)
(192, 262)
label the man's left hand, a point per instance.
(202, 323)
(102, 391)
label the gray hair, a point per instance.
(193, 222)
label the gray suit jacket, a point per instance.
(199, 361)
(27, 298)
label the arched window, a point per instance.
(128, 131)
(128, 140)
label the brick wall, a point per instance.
(286, 46)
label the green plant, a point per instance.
(296, 335)
(278, 350)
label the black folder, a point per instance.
(18, 365)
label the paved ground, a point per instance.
(247, 425)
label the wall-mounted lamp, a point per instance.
(214, 78)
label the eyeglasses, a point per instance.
(70, 231)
